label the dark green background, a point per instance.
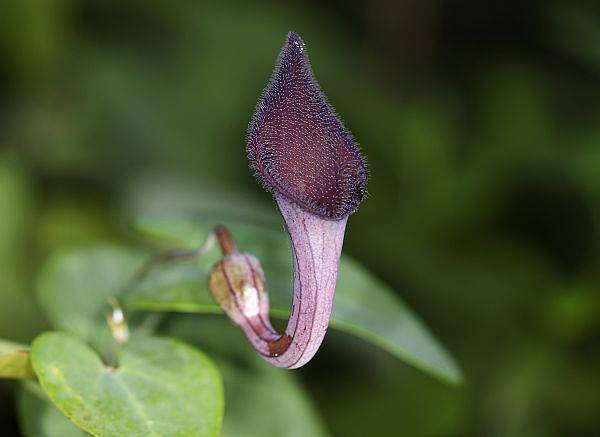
(481, 124)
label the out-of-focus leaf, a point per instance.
(363, 305)
(160, 387)
(262, 401)
(266, 402)
(74, 285)
(38, 417)
(14, 360)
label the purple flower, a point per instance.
(299, 147)
(302, 153)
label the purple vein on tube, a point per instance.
(303, 154)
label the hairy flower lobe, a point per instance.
(297, 144)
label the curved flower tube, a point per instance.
(303, 154)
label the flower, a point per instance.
(299, 147)
(303, 154)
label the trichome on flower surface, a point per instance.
(303, 154)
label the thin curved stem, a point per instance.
(115, 318)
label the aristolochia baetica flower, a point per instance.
(303, 154)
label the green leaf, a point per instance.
(160, 387)
(74, 286)
(262, 401)
(14, 360)
(266, 402)
(38, 417)
(363, 305)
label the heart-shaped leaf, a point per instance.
(74, 286)
(14, 360)
(363, 305)
(160, 387)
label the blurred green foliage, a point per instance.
(481, 123)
